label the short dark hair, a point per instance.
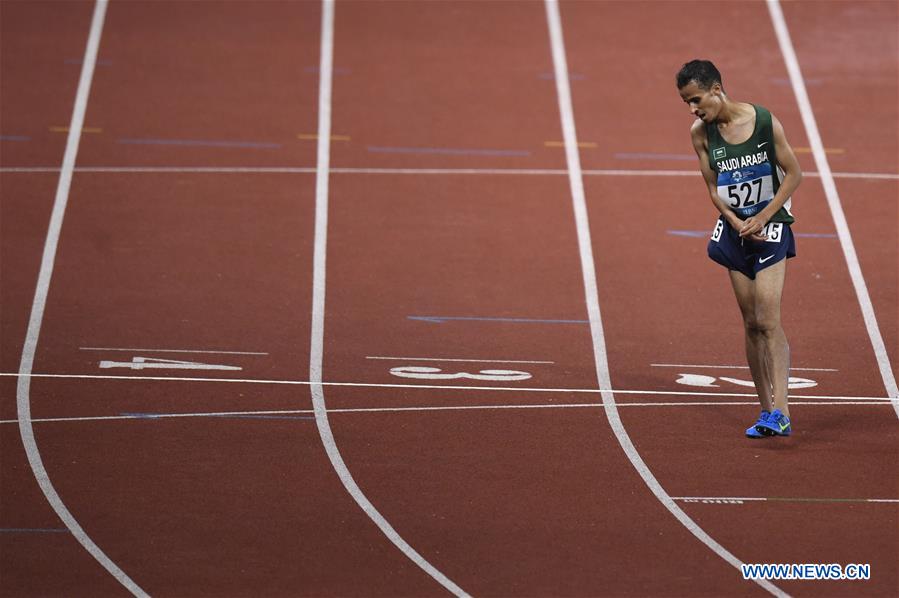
(703, 72)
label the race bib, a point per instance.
(719, 228)
(747, 190)
(773, 232)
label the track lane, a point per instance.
(174, 262)
(183, 262)
(194, 85)
(872, 211)
(692, 299)
(203, 507)
(450, 287)
(509, 506)
(416, 100)
(708, 331)
(25, 204)
(464, 236)
(41, 46)
(850, 46)
(853, 46)
(47, 560)
(639, 94)
(800, 531)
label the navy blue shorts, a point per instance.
(748, 256)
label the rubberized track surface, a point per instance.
(174, 395)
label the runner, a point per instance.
(751, 172)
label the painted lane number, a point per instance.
(150, 363)
(709, 381)
(426, 373)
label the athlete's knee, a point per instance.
(750, 323)
(762, 324)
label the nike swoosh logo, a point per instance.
(763, 143)
(763, 260)
(783, 426)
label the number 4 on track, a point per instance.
(149, 363)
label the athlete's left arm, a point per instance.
(787, 161)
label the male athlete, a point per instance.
(750, 171)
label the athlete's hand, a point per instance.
(741, 225)
(752, 228)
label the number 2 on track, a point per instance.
(709, 381)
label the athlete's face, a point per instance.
(705, 104)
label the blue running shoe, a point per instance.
(751, 432)
(777, 424)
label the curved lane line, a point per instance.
(318, 308)
(592, 299)
(23, 388)
(833, 202)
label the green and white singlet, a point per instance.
(748, 172)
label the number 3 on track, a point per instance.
(425, 373)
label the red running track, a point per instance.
(505, 492)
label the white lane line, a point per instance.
(833, 201)
(737, 499)
(591, 293)
(168, 169)
(171, 351)
(412, 171)
(451, 360)
(318, 306)
(274, 382)
(858, 175)
(522, 406)
(23, 394)
(733, 367)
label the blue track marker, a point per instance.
(442, 319)
(816, 235)
(14, 138)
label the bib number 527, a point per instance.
(745, 194)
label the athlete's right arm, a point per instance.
(701, 146)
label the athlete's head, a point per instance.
(699, 84)
(702, 72)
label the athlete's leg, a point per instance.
(756, 349)
(769, 285)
